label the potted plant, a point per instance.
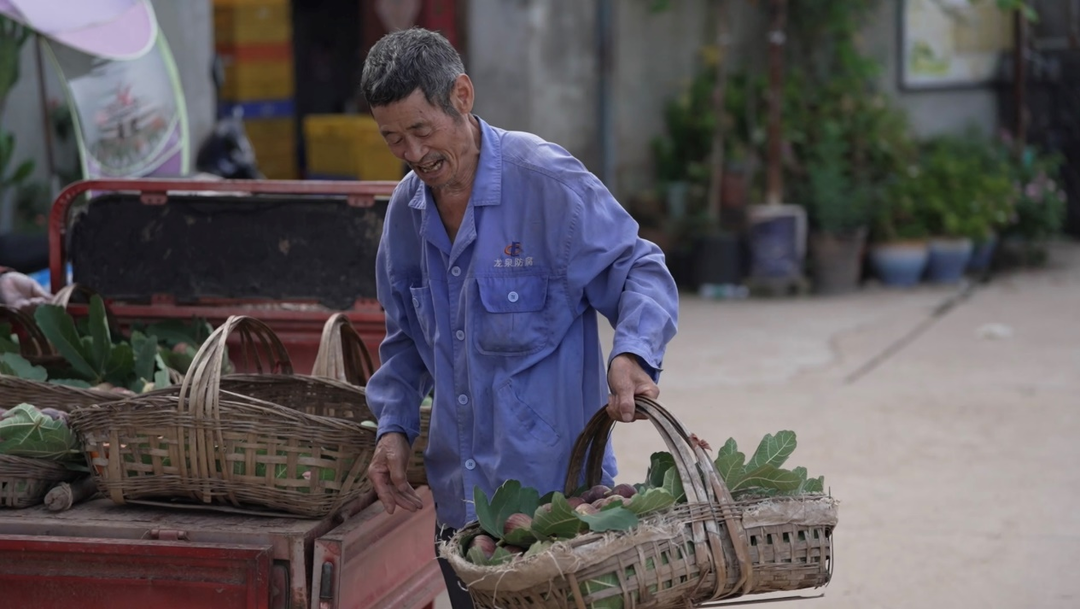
(900, 250)
(967, 195)
(1039, 207)
(839, 213)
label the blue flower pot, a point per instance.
(982, 255)
(948, 259)
(899, 264)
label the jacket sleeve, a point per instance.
(624, 277)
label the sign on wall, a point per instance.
(952, 43)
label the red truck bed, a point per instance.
(101, 555)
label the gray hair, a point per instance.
(405, 60)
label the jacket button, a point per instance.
(470, 464)
(512, 296)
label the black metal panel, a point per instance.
(274, 248)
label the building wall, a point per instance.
(534, 64)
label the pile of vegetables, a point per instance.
(93, 358)
(517, 522)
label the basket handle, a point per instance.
(690, 461)
(200, 390)
(32, 342)
(342, 355)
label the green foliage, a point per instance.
(94, 356)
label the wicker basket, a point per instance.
(38, 351)
(343, 356)
(24, 482)
(708, 549)
(273, 443)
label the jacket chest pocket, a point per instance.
(513, 318)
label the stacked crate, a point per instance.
(348, 147)
(254, 40)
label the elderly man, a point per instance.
(497, 253)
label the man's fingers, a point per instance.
(384, 491)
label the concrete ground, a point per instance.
(955, 459)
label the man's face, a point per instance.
(432, 142)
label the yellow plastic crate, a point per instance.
(257, 80)
(279, 167)
(348, 146)
(252, 21)
(274, 142)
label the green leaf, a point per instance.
(815, 485)
(121, 365)
(674, 486)
(520, 537)
(560, 523)
(26, 432)
(538, 548)
(729, 448)
(617, 519)
(22, 368)
(144, 350)
(768, 477)
(659, 464)
(509, 498)
(476, 556)
(548, 497)
(7, 342)
(59, 329)
(500, 556)
(77, 383)
(730, 467)
(22, 172)
(161, 379)
(773, 450)
(652, 500)
(99, 333)
(174, 331)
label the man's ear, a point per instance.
(462, 95)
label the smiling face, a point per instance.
(441, 149)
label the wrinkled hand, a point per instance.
(626, 379)
(387, 473)
(19, 291)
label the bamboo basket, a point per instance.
(706, 550)
(270, 443)
(24, 482)
(343, 356)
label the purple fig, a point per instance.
(517, 521)
(574, 501)
(606, 501)
(597, 492)
(514, 549)
(485, 543)
(54, 414)
(586, 508)
(624, 490)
